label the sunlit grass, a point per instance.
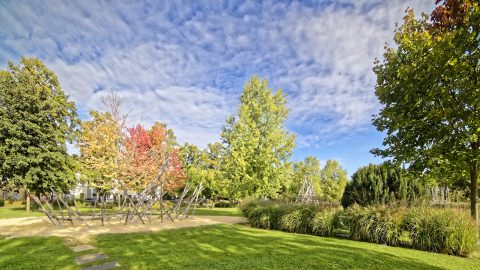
(35, 253)
(17, 211)
(241, 247)
(218, 212)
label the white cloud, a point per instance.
(186, 64)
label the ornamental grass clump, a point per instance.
(297, 220)
(380, 224)
(323, 222)
(265, 215)
(450, 231)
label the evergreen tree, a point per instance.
(379, 184)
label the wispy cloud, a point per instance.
(185, 63)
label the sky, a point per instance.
(185, 63)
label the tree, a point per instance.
(308, 169)
(429, 88)
(145, 153)
(328, 183)
(333, 181)
(380, 184)
(205, 167)
(36, 122)
(99, 151)
(257, 145)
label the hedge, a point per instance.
(450, 231)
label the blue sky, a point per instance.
(185, 63)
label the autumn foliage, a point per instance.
(449, 14)
(145, 153)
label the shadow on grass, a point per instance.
(35, 253)
(240, 247)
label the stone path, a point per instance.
(95, 261)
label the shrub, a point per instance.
(264, 215)
(224, 204)
(440, 230)
(297, 220)
(2, 203)
(377, 224)
(324, 221)
(450, 231)
(312, 219)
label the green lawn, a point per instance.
(16, 212)
(35, 253)
(218, 212)
(19, 211)
(241, 247)
(225, 247)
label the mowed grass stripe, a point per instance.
(241, 247)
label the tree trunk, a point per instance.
(473, 189)
(27, 200)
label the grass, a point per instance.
(225, 247)
(35, 253)
(218, 212)
(17, 211)
(241, 247)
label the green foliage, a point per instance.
(377, 224)
(257, 145)
(224, 204)
(36, 122)
(333, 181)
(2, 203)
(99, 150)
(324, 221)
(328, 183)
(441, 230)
(438, 230)
(307, 169)
(205, 166)
(308, 219)
(428, 87)
(297, 220)
(380, 184)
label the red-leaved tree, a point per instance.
(145, 153)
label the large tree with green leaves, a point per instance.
(36, 122)
(99, 151)
(257, 144)
(307, 169)
(429, 86)
(205, 167)
(333, 181)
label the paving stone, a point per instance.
(90, 258)
(104, 266)
(82, 248)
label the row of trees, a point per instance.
(252, 158)
(37, 121)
